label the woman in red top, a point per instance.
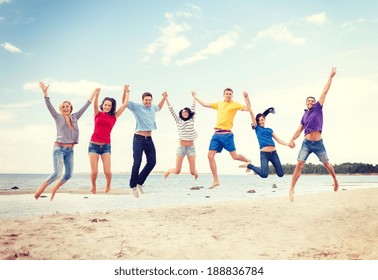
(100, 141)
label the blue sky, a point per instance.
(280, 52)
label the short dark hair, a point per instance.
(311, 98)
(146, 94)
(228, 89)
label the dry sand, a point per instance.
(325, 226)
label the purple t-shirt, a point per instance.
(312, 120)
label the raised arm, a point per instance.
(327, 86)
(125, 100)
(249, 108)
(204, 104)
(94, 93)
(164, 97)
(193, 107)
(95, 104)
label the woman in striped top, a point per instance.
(187, 135)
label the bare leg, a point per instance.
(40, 190)
(213, 168)
(192, 166)
(331, 171)
(177, 169)
(106, 162)
(240, 157)
(93, 159)
(297, 172)
(54, 189)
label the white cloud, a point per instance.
(317, 19)
(82, 87)
(11, 48)
(18, 105)
(171, 41)
(214, 48)
(278, 32)
(351, 26)
(4, 1)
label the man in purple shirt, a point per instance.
(312, 124)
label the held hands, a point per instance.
(44, 88)
(245, 94)
(96, 92)
(291, 144)
(194, 94)
(165, 95)
(126, 89)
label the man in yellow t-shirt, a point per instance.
(223, 136)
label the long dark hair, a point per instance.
(114, 105)
(268, 111)
(190, 114)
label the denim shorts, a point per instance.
(186, 151)
(99, 149)
(316, 147)
(220, 141)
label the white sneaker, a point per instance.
(140, 188)
(135, 192)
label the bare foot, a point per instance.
(214, 184)
(93, 190)
(291, 195)
(53, 191)
(166, 174)
(40, 190)
(107, 190)
(336, 186)
(196, 176)
(38, 194)
(245, 166)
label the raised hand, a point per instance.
(333, 72)
(44, 88)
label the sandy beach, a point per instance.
(322, 226)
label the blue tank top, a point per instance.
(264, 136)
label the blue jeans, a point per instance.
(142, 144)
(61, 156)
(265, 157)
(316, 147)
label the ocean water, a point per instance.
(159, 192)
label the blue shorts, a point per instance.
(186, 151)
(99, 149)
(316, 147)
(220, 141)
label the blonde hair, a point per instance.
(68, 120)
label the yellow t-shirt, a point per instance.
(226, 113)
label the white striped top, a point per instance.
(185, 128)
